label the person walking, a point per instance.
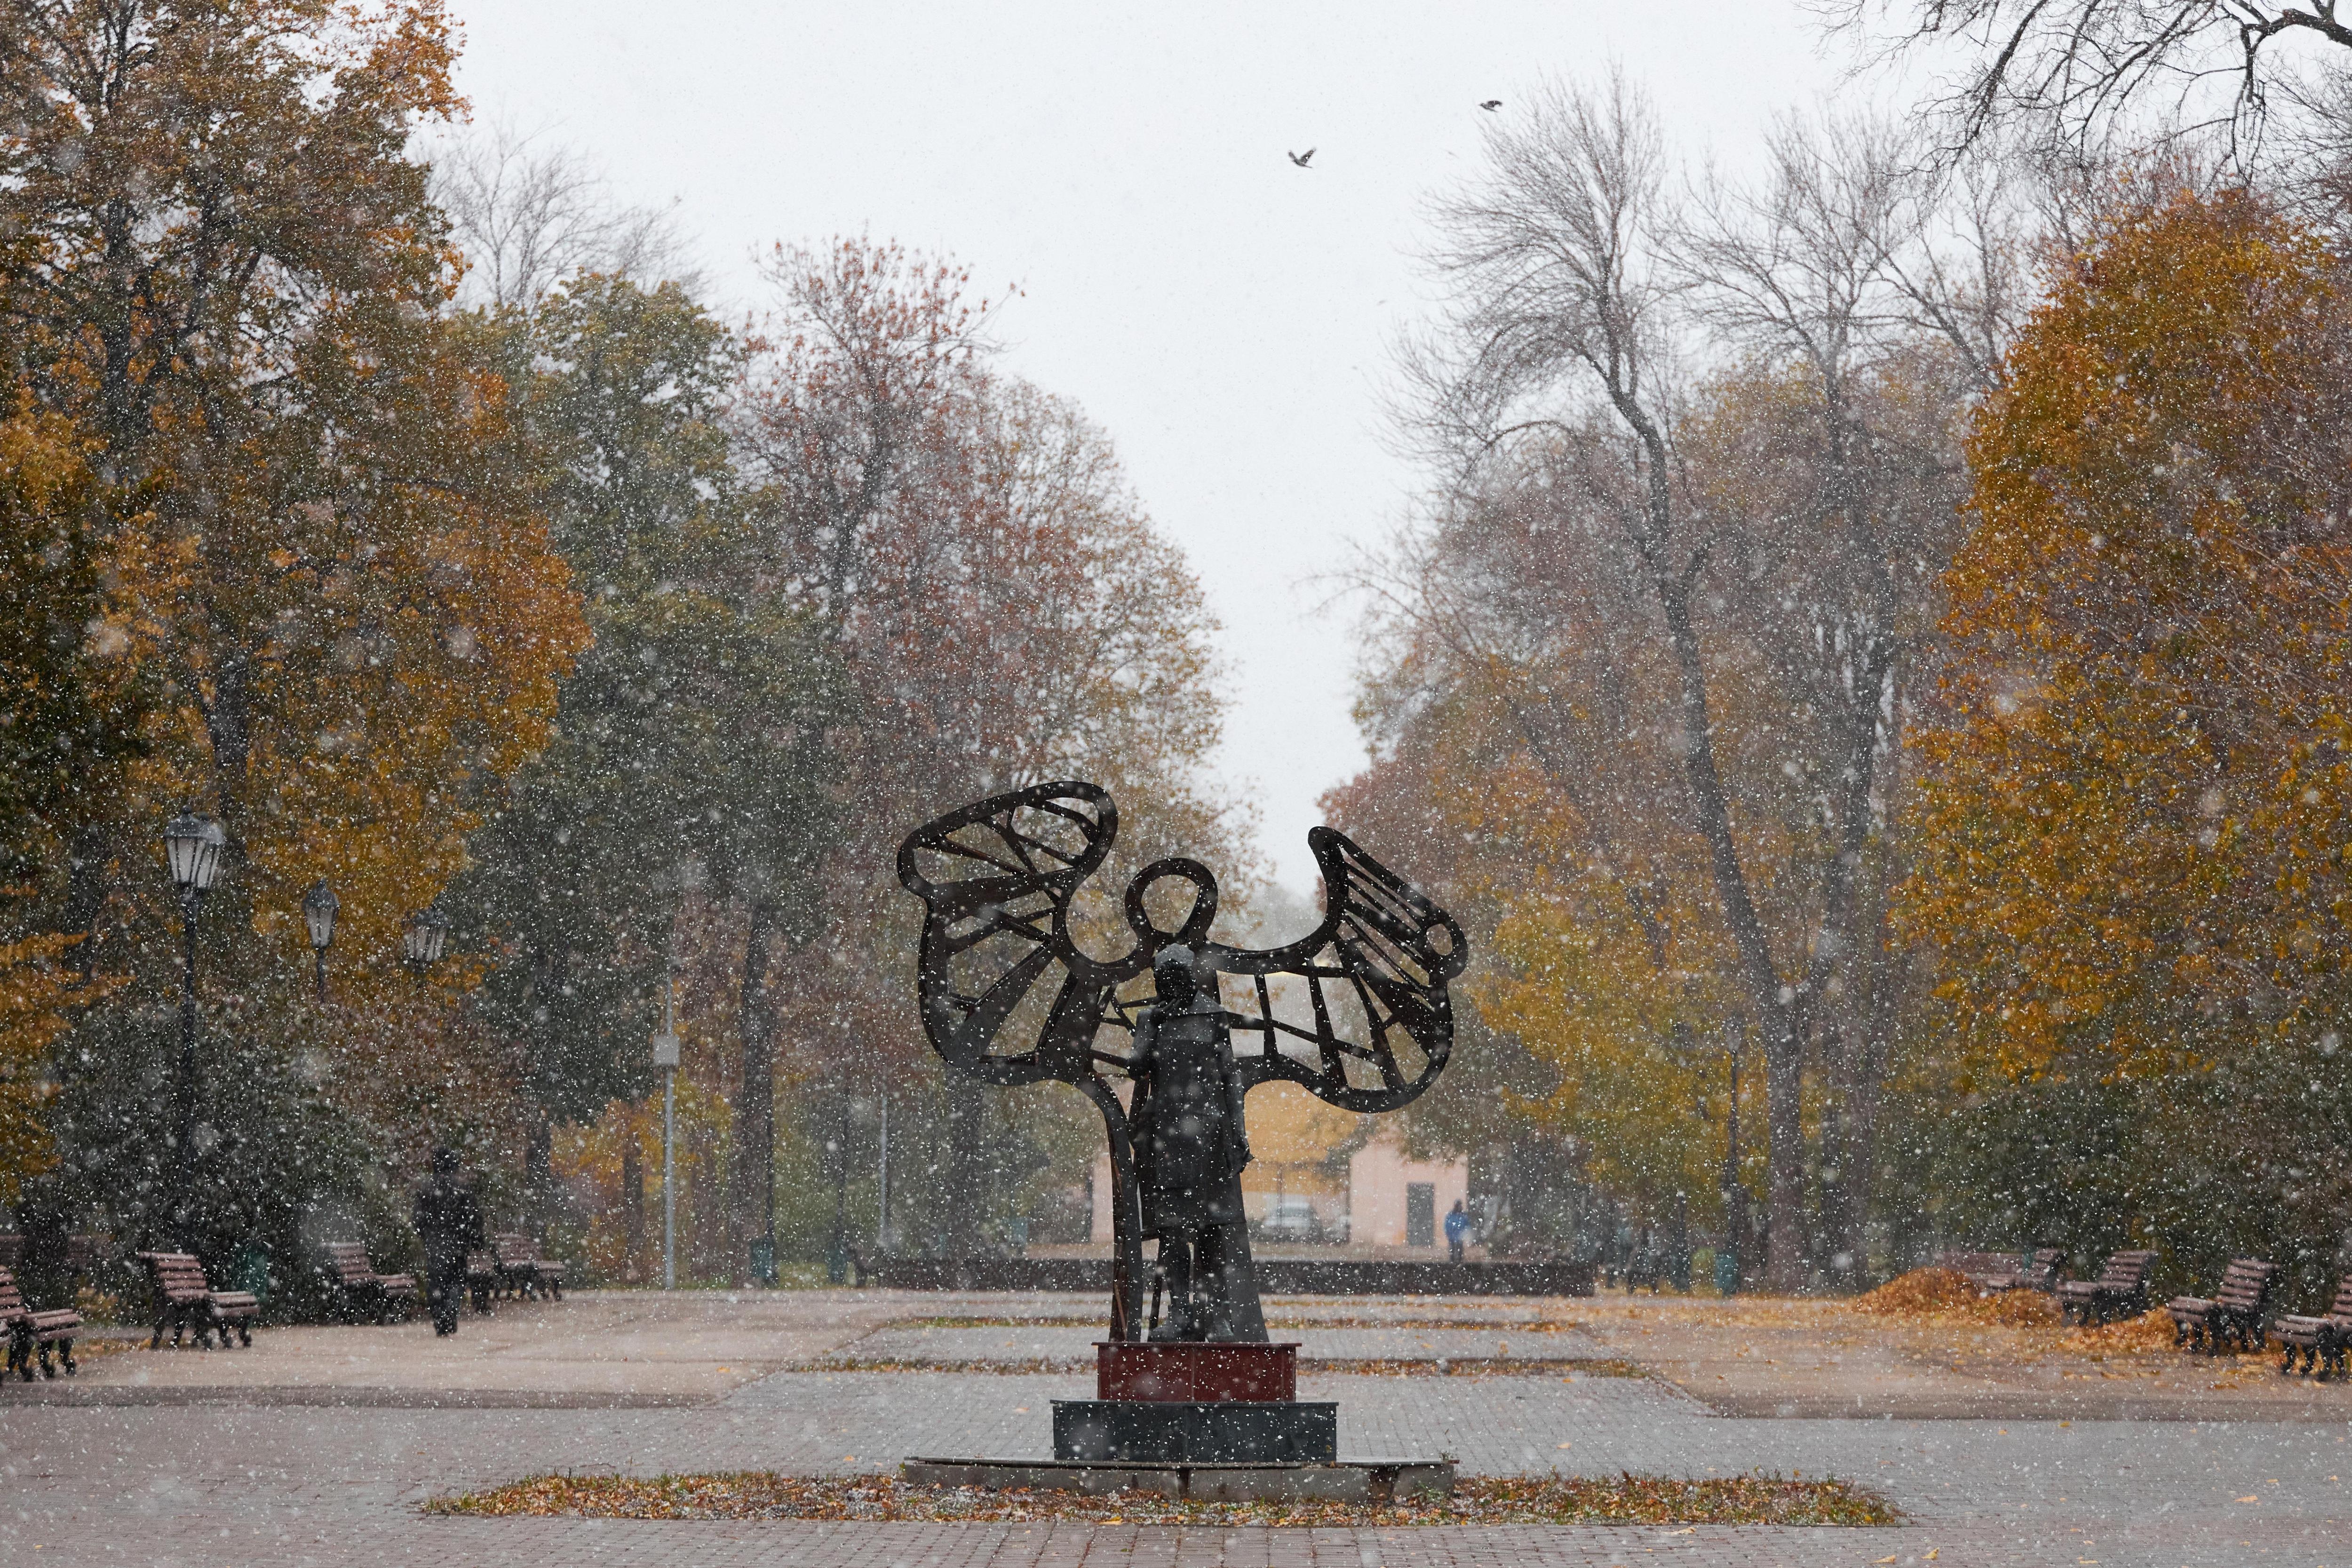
(449, 1223)
(1457, 1231)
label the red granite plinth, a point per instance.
(1195, 1373)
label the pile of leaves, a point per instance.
(1308, 1366)
(2151, 1331)
(1528, 1500)
(1936, 1293)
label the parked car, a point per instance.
(1293, 1222)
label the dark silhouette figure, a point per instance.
(1189, 1148)
(1356, 1013)
(1491, 105)
(449, 1223)
(1457, 1231)
(1300, 158)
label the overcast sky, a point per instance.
(1225, 315)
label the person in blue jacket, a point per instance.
(1457, 1231)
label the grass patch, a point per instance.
(1482, 1499)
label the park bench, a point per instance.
(2236, 1312)
(2045, 1273)
(2120, 1290)
(361, 1289)
(87, 1254)
(534, 1273)
(31, 1332)
(2322, 1341)
(1993, 1272)
(1981, 1268)
(513, 1269)
(185, 1298)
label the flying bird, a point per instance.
(1491, 105)
(1300, 158)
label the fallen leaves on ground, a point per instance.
(2151, 1331)
(1307, 1366)
(1931, 1293)
(1483, 1499)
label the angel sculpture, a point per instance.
(1356, 1013)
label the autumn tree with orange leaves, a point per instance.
(2130, 831)
(318, 542)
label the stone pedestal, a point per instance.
(1194, 1403)
(1197, 1420)
(1198, 1373)
(1223, 1431)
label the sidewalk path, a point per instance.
(239, 1484)
(257, 1464)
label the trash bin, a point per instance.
(248, 1270)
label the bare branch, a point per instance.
(527, 216)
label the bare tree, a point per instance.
(1829, 266)
(1771, 542)
(2077, 69)
(527, 216)
(1558, 270)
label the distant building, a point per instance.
(1321, 1177)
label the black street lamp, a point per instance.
(193, 845)
(318, 907)
(428, 930)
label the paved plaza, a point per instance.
(317, 1446)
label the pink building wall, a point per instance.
(1378, 1175)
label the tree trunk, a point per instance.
(1841, 1229)
(1872, 1051)
(1784, 1124)
(751, 1186)
(1780, 1007)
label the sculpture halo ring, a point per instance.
(1193, 929)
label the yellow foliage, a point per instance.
(35, 991)
(1597, 976)
(2127, 831)
(1289, 1126)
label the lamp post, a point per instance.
(422, 943)
(192, 844)
(318, 907)
(666, 1062)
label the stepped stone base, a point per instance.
(1171, 1432)
(1357, 1480)
(1195, 1372)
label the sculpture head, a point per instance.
(1172, 975)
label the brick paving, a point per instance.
(220, 1484)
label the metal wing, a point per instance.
(1357, 1013)
(1006, 996)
